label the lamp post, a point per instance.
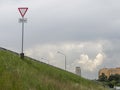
(64, 56)
(45, 59)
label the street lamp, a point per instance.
(64, 56)
(45, 59)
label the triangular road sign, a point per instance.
(23, 10)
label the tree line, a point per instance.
(111, 81)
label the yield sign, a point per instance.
(23, 11)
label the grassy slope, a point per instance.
(27, 74)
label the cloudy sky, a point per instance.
(87, 32)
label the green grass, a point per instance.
(28, 74)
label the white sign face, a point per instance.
(23, 11)
(21, 20)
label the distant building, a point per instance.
(78, 71)
(109, 71)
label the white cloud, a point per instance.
(91, 54)
(88, 64)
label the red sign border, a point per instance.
(24, 12)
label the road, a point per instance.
(113, 89)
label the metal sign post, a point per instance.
(22, 11)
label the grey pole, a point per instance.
(22, 33)
(22, 54)
(64, 56)
(65, 62)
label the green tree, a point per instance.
(102, 78)
(114, 79)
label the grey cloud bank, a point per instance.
(74, 27)
(89, 55)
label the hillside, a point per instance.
(29, 74)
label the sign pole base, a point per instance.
(22, 55)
